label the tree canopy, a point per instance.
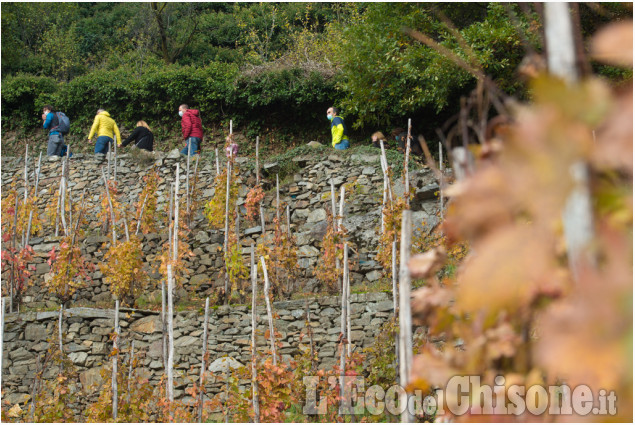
(292, 58)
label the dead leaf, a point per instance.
(15, 411)
(423, 266)
(614, 44)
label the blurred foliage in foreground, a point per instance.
(516, 308)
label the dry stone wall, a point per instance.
(306, 190)
(86, 339)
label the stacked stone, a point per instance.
(306, 191)
(87, 330)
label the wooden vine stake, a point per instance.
(26, 182)
(15, 229)
(384, 169)
(217, 163)
(59, 329)
(108, 158)
(2, 304)
(343, 333)
(130, 368)
(163, 327)
(37, 181)
(187, 179)
(577, 215)
(191, 193)
(226, 242)
(112, 212)
(262, 223)
(254, 373)
(115, 348)
(269, 312)
(170, 382)
(277, 199)
(336, 228)
(175, 234)
(203, 365)
(257, 167)
(114, 143)
(395, 299)
(405, 317)
(405, 167)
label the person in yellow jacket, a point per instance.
(339, 132)
(106, 128)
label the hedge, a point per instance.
(258, 102)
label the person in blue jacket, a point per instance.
(339, 132)
(56, 139)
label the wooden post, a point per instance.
(440, 157)
(383, 206)
(187, 180)
(203, 365)
(26, 183)
(170, 223)
(257, 166)
(143, 205)
(70, 210)
(130, 368)
(170, 382)
(164, 327)
(269, 312)
(384, 169)
(405, 166)
(217, 163)
(108, 158)
(231, 131)
(288, 222)
(395, 299)
(578, 211)
(405, 317)
(343, 332)
(254, 373)
(333, 205)
(37, 181)
(347, 284)
(277, 199)
(59, 329)
(262, 223)
(114, 144)
(190, 215)
(2, 304)
(226, 242)
(63, 198)
(175, 246)
(26, 172)
(115, 346)
(237, 227)
(336, 227)
(112, 213)
(125, 227)
(341, 217)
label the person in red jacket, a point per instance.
(192, 129)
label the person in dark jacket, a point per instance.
(401, 136)
(142, 136)
(192, 129)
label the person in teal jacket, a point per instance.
(339, 132)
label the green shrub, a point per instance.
(23, 96)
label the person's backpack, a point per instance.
(64, 123)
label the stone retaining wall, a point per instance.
(306, 191)
(87, 344)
